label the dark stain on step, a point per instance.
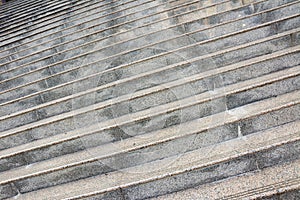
(172, 120)
(118, 134)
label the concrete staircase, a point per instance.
(150, 99)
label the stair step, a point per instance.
(52, 112)
(258, 185)
(101, 131)
(209, 77)
(21, 76)
(63, 73)
(150, 99)
(280, 60)
(52, 7)
(39, 126)
(103, 29)
(116, 156)
(167, 175)
(50, 30)
(58, 24)
(28, 14)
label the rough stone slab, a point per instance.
(169, 134)
(187, 102)
(255, 185)
(164, 168)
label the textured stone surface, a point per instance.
(143, 99)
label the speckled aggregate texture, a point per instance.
(150, 99)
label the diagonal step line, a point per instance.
(93, 25)
(160, 69)
(258, 181)
(164, 136)
(11, 6)
(194, 166)
(106, 37)
(162, 109)
(193, 160)
(24, 10)
(46, 9)
(205, 74)
(141, 60)
(44, 79)
(145, 59)
(27, 16)
(161, 87)
(151, 32)
(152, 23)
(84, 6)
(274, 137)
(58, 53)
(79, 2)
(295, 181)
(18, 10)
(64, 162)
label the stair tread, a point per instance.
(198, 125)
(164, 168)
(149, 99)
(204, 74)
(255, 185)
(241, 86)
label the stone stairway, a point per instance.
(150, 99)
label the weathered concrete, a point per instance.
(141, 99)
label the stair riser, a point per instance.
(294, 194)
(126, 72)
(217, 172)
(58, 27)
(14, 5)
(82, 9)
(17, 42)
(20, 10)
(166, 96)
(92, 37)
(243, 164)
(17, 37)
(138, 68)
(8, 190)
(67, 31)
(90, 99)
(258, 7)
(247, 126)
(101, 35)
(40, 9)
(93, 106)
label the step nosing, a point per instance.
(211, 15)
(120, 32)
(50, 8)
(76, 134)
(263, 183)
(101, 5)
(264, 57)
(266, 188)
(239, 65)
(227, 1)
(205, 96)
(284, 74)
(121, 4)
(273, 37)
(145, 46)
(116, 25)
(185, 164)
(30, 9)
(130, 149)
